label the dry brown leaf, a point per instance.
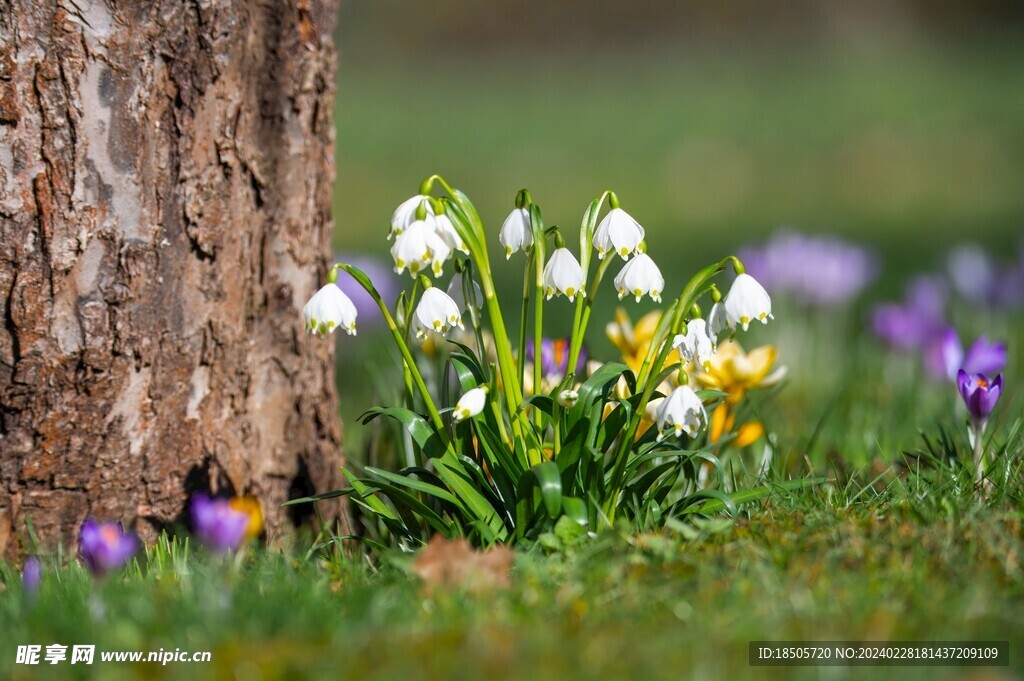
(454, 563)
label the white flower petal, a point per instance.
(568, 398)
(618, 233)
(470, 404)
(436, 312)
(516, 233)
(563, 275)
(446, 230)
(405, 214)
(747, 300)
(330, 309)
(682, 411)
(638, 277)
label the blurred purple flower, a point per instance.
(1009, 286)
(917, 321)
(217, 525)
(985, 358)
(903, 326)
(814, 270)
(944, 356)
(383, 278)
(928, 294)
(31, 576)
(105, 546)
(980, 395)
(554, 356)
(972, 273)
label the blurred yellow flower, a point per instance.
(250, 506)
(733, 371)
(635, 341)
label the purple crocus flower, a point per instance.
(984, 357)
(945, 356)
(31, 576)
(979, 394)
(554, 356)
(217, 525)
(383, 278)
(105, 546)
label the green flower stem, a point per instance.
(579, 330)
(467, 222)
(473, 306)
(403, 347)
(524, 321)
(537, 225)
(583, 305)
(979, 456)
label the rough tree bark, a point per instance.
(165, 179)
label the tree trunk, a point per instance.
(165, 180)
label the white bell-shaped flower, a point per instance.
(567, 399)
(457, 292)
(470, 404)
(435, 312)
(747, 301)
(440, 252)
(405, 214)
(516, 233)
(696, 344)
(718, 321)
(417, 246)
(446, 230)
(330, 309)
(682, 411)
(639, 276)
(563, 275)
(618, 233)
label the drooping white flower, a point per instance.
(405, 214)
(747, 300)
(696, 344)
(682, 411)
(516, 233)
(446, 230)
(418, 245)
(435, 312)
(618, 233)
(440, 252)
(718, 321)
(330, 309)
(470, 404)
(639, 276)
(457, 292)
(563, 275)
(568, 398)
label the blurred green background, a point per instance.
(896, 124)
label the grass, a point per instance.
(900, 556)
